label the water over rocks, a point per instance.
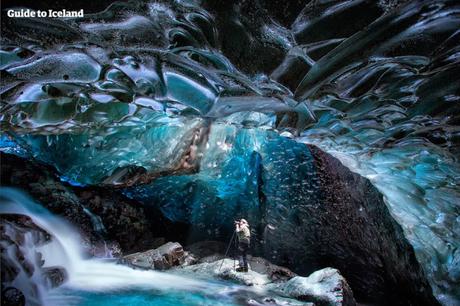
(24, 277)
(24, 268)
(123, 223)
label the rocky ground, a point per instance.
(21, 259)
(323, 287)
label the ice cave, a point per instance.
(133, 137)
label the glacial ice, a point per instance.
(165, 102)
(229, 182)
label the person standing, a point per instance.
(244, 239)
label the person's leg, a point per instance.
(245, 261)
(245, 248)
(241, 258)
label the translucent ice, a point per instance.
(147, 93)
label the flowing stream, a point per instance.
(93, 281)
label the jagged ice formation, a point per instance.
(206, 95)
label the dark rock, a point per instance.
(9, 271)
(41, 183)
(24, 224)
(13, 297)
(22, 264)
(346, 225)
(123, 219)
(162, 258)
(14, 228)
(127, 228)
(56, 276)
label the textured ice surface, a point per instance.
(145, 90)
(229, 183)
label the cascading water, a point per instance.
(84, 274)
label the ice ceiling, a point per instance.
(198, 95)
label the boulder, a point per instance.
(13, 297)
(55, 276)
(324, 287)
(166, 256)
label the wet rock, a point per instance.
(8, 271)
(44, 187)
(189, 259)
(207, 253)
(13, 297)
(172, 253)
(123, 220)
(324, 287)
(23, 224)
(55, 276)
(92, 210)
(162, 258)
(22, 271)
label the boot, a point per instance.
(240, 269)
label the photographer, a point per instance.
(244, 237)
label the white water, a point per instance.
(88, 274)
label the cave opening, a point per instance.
(331, 126)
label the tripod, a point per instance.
(226, 252)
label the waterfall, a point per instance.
(98, 225)
(87, 274)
